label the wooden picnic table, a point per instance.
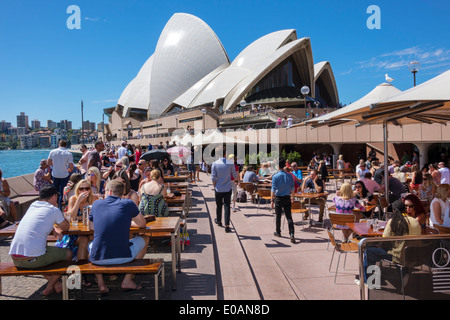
(29, 193)
(363, 230)
(178, 185)
(310, 196)
(160, 224)
(181, 178)
(175, 199)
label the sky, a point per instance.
(46, 68)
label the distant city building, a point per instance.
(4, 126)
(88, 126)
(29, 141)
(54, 139)
(44, 141)
(66, 125)
(35, 124)
(51, 124)
(22, 120)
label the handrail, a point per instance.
(363, 244)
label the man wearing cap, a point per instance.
(29, 246)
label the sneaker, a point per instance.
(235, 210)
(277, 234)
(227, 229)
(292, 238)
(218, 222)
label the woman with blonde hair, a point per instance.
(428, 187)
(439, 206)
(345, 202)
(341, 162)
(83, 197)
(152, 196)
(95, 179)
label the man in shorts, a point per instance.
(111, 220)
(29, 246)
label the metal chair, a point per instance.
(263, 194)
(342, 248)
(415, 254)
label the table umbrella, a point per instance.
(179, 153)
(157, 154)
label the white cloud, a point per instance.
(91, 19)
(105, 101)
(428, 57)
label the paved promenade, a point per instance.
(249, 263)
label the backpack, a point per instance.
(241, 196)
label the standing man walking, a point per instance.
(61, 161)
(221, 173)
(282, 195)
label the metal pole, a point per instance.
(386, 161)
(414, 73)
(82, 120)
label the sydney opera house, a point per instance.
(190, 81)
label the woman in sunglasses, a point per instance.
(94, 178)
(414, 208)
(83, 197)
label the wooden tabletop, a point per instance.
(362, 229)
(181, 178)
(178, 199)
(178, 185)
(160, 224)
(310, 195)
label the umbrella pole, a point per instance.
(386, 161)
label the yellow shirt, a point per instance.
(397, 248)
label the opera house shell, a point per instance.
(190, 68)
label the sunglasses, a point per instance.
(84, 189)
(91, 174)
(409, 206)
(118, 166)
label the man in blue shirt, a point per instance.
(297, 173)
(111, 220)
(282, 196)
(221, 173)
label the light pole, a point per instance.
(414, 66)
(82, 122)
(203, 116)
(176, 119)
(305, 90)
(243, 103)
(156, 121)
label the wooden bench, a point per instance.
(168, 235)
(66, 269)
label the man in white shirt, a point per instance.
(289, 122)
(122, 151)
(445, 173)
(61, 161)
(29, 246)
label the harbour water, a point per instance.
(19, 162)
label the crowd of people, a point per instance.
(130, 188)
